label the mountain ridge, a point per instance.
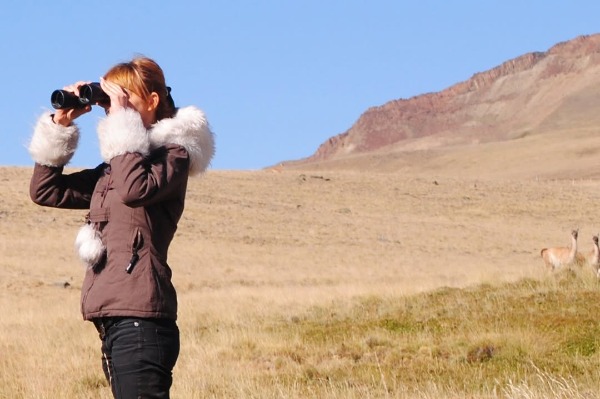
(535, 93)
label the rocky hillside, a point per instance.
(536, 93)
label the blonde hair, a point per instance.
(143, 76)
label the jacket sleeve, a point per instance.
(52, 146)
(140, 176)
(49, 186)
(142, 181)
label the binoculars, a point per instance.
(89, 94)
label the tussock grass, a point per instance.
(528, 339)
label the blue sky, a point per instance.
(275, 78)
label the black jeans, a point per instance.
(138, 356)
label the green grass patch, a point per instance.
(485, 341)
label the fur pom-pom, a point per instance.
(122, 132)
(89, 245)
(53, 144)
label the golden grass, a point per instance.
(328, 285)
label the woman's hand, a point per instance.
(66, 116)
(119, 98)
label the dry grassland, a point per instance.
(260, 257)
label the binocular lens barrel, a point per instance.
(90, 94)
(61, 99)
(93, 94)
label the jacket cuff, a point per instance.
(53, 144)
(122, 132)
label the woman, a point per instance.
(135, 199)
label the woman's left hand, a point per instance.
(119, 98)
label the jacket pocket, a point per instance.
(99, 215)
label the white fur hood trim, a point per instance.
(53, 144)
(189, 128)
(121, 132)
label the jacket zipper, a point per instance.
(137, 244)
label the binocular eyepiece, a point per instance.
(89, 94)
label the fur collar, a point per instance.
(190, 129)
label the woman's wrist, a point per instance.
(61, 119)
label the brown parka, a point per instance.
(135, 200)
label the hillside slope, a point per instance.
(554, 95)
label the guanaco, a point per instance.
(561, 256)
(592, 258)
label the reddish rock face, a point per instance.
(526, 95)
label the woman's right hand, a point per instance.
(66, 116)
